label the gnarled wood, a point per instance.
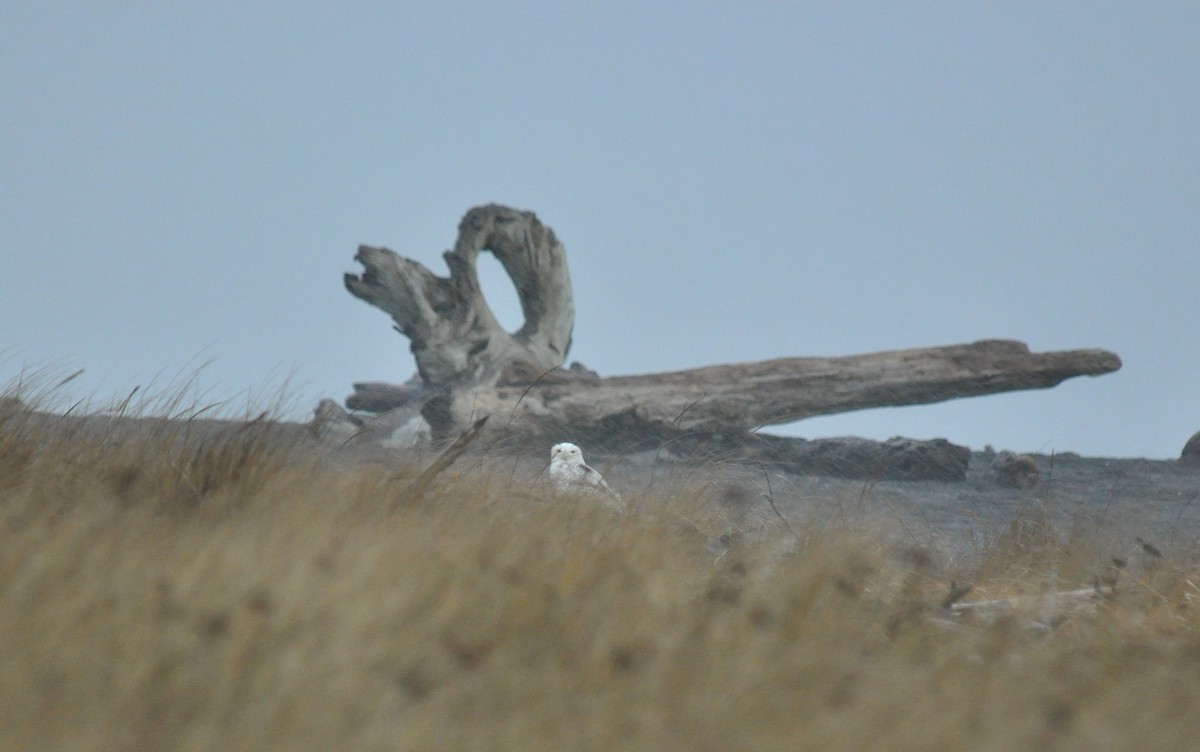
(469, 366)
(454, 335)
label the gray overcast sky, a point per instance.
(732, 182)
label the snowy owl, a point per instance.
(572, 476)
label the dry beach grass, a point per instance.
(233, 588)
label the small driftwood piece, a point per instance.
(1041, 613)
(1047, 604)
(379, 397)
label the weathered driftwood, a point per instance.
(753, 395)
(1049, 603)
(378, 396)
(748, 396)
(844, 457)
(1041, 613)
(454, 335)
(469, 366)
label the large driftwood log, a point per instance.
(469, 366)
(749, 396)
(454, 335)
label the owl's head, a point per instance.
(568, 453)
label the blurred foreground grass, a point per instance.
(173, 588)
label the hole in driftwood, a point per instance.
(499, 292)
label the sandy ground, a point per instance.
(1121, 499)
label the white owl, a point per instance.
(571, 476)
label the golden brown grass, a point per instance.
(179, 588)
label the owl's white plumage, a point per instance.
(572, 476)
